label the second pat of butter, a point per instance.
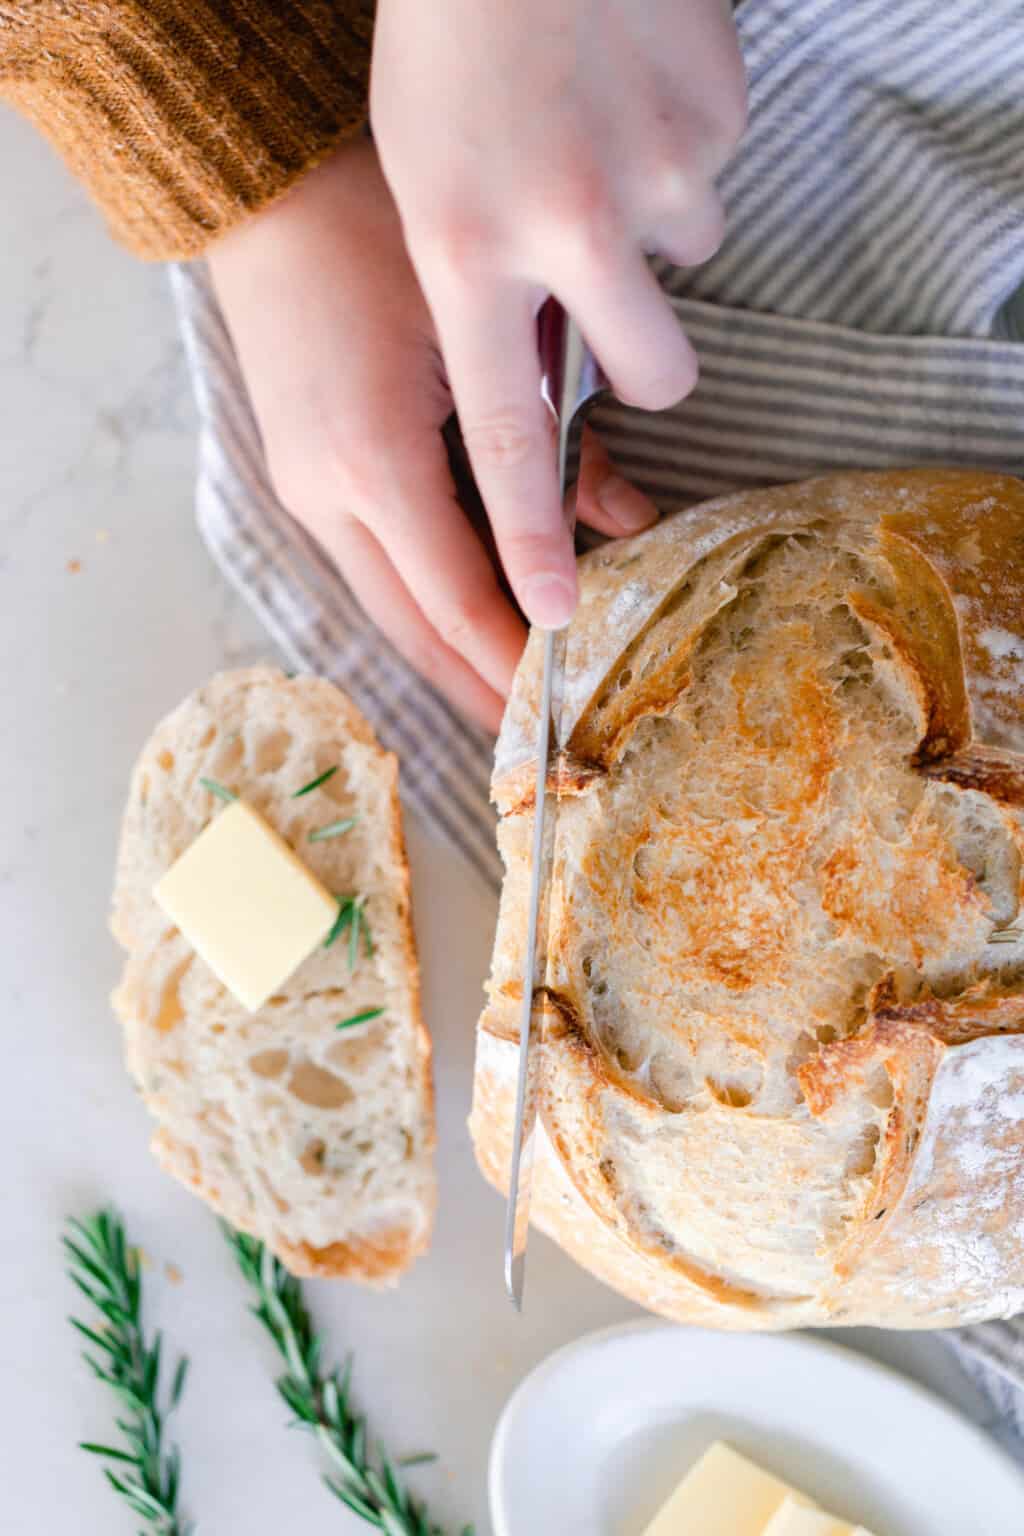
(723, 1495)
(792, 1519)
(246, 903)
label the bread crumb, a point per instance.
(1001, 644)
(173, 1273)
(102, 535)
(74, 566)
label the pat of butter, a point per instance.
(793, 1519)
(723, 1495)
(246, 903)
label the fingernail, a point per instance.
(624, 504)
(548, 600)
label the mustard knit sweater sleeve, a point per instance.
(183, 116)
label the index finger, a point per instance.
(488, 339)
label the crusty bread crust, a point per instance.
(783, 1036)
(320, 1144)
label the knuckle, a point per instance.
(583, 194)
(452, 239)
(523, 550)
(464, 617)
(670, 182)
(501, 439)
(583, 217)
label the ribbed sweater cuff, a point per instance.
(183, 116)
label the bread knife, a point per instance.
(571, 380)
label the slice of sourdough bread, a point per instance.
(317, 1140)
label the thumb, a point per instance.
(605, 500)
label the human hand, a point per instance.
(341, 361)
(545, 146)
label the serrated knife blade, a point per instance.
(571, 381)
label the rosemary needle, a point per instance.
(319, 1399)
(333, 829)
(346, 906)
(321, 778)
(351, 915)
(106, 1270)
(360, 1018)
(218, 789)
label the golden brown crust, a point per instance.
(968, 530)
(373, 1260)
(997, 774)
(787, 880)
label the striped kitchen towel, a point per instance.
(864, 310)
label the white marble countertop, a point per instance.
(110, 611)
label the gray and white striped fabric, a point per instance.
(864, 310)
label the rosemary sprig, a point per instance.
(321, 778)
(106, 1270)
(360, 1018)
(218, 789)
(341, 922)
(351, 915)
(333, 829)
(319, 1399)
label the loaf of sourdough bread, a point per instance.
(782, 1070)
(319, 1142)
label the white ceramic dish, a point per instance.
(599, 1434)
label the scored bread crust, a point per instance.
(782, 1065)
(319, 1143)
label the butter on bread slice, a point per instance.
(246, 903)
